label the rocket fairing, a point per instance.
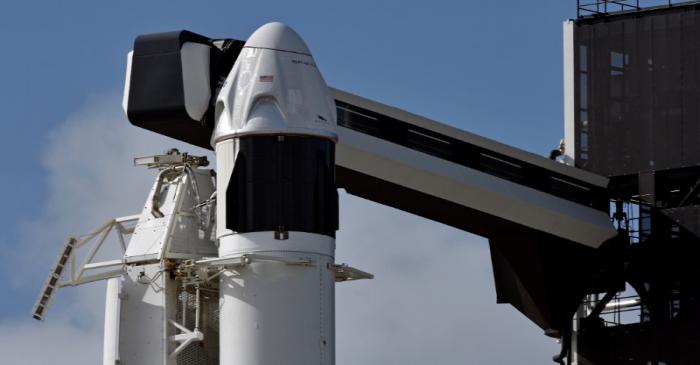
(275, 145)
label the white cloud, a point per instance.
(90, 179)
(433, 298)
(49, 343)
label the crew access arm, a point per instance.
(544, 220)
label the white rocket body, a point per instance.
(272, 312)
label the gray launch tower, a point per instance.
(632, 106)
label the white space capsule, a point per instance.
(277, 204)
(274, 88)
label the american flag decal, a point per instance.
(266, 78)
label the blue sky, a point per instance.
(492, 68)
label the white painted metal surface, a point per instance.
(143, 315)
(67, 271)
(174, 226)
(143, 295)
(274, 312)
(274, 92)
(279, 37)
(569, 93)
(225, 159)
(127, 81)
(110, 347)
(169, 226)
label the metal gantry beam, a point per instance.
(77, 273)
(472, 183)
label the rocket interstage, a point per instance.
(275, 148)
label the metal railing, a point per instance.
(619, 310)
(603, 7)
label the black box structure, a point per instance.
(156, 84)
(637, 95)
(632, 91)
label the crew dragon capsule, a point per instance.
(275, 140)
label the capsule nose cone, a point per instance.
(277, 36)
